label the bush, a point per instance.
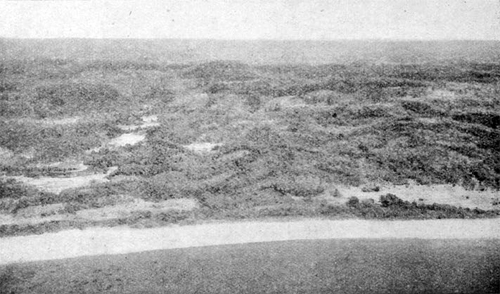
(7, 86)
(393, 207)
(104, 159)
(353, 202)
(14, 108)
(97, 196)
(172, 217)
(10, 188)
(489, 119)
(217, 87)
(254, 102)
(390, 200)
(301, 185)
(370, 188)
(371, 111)
(421, 108)
(336, 193)
(72, 97)
(159, 92)
(170, 185)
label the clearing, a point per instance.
(58, 184)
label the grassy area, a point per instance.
(319, 266)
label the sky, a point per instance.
(253, 19)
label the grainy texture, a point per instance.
(317, 266)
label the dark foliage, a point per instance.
(10, 188)
(489, 119)
(220, 71)
(78, 93)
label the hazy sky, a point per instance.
(252, 19)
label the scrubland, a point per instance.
(242, 140)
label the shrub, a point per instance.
(336, 193)
(353, 201)
(172, 216)
(372, 111)
(14, 108)
(489, 119)
(368, 202)
(160, 92)
(254, 102)
(34, 198)
(7, 86)
(74, 96)
(370, 189)
(393, 207)
(322, 96)
(344, 86)
(168, 185)
(96, 196)
(421, 108)
(217, 87)
(301, 185)
(10, 188)
(104, 159)
(390, 200)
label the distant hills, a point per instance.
(258, 52)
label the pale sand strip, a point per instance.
(98, 241)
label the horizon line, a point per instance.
(259, 40)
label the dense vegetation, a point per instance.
(286, 131)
